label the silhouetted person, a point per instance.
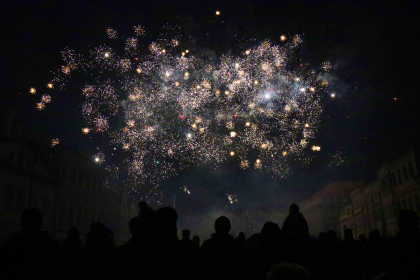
(186, 235)
(187, 245)
(145, 213)
(288, 271)
(241, 237)
(270, 250)
(167, 244)
(362, 239)
(98, 251)
(295, 225)
(375, 254)
(404, 247)
(220, 258)
(32, 253)
(330, 257)
(72, 253)
(134, 255)
(196, 241)
(352, 258)
(72, 246)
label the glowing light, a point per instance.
(138, 70)
(255, 82)
(167, 74)
(227, 92)
(176, 84)
(232, 134)
(189, 135)
(312, 89)
(183, 53)
(194, 126)
(267, 96)
(332, 95)
(32, 90)
(50, 85)
(247, 52)
(97, 159)
(85, 130)
(283, 38)
(163, 51)
(302, 89)
(297, 79)
(45, 98)
(55, 142)
(232, 153)
(307, 125)
(187, 51)
(106, 54)
(247, 124)
(316, 148)
(284, 153)
(217, 13)
(40, 106)
(187, 74)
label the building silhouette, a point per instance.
(322, 210)
(67, 186)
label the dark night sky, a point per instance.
(372, 46)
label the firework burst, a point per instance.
(184, 110)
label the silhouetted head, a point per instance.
(362, 238)
(166, 219)
(293, 209)
(142, 205)
(408, 220)
(331, 236)
(222, 225)
(31, 219)
(321, 236)
(348, 234)
(196, 238)
(241, 236)
(186, 233)
(271, 229)
(288, 271)
(73, 234)
(375, 235)
(167, 214)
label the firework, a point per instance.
(185, 110)
(326, 66)
(337, 159)
(55, 142)
(232, 198)
(185, 189)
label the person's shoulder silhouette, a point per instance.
(32, 252)
(295, 224)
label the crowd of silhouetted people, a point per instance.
(155, 252)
